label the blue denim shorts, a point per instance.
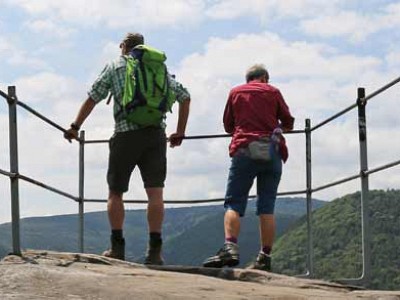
(242, 172)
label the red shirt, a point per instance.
(254, 110)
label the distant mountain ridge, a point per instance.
(190, 233)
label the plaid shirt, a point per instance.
(112, 80)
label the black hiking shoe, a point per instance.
(117, 249)
(263, 262)
(228, 255)
(153, 253)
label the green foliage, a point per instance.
(337, 241)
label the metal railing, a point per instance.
(363, 174)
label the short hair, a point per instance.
(255, 72)
(131, 40)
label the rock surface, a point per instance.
(55, 275)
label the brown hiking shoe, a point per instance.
(263, 262)
(117, 249)
(153, 255)
(228, 255)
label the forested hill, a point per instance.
(337, 241)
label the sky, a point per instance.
(317, 53)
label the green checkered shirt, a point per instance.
(112, 80)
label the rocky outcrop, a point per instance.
(55, 275)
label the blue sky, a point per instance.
(317, 52)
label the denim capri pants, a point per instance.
(242, 172)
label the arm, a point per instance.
(228, 119)
(284, 115)
(98, 92)
(83, 113)
(175, 139)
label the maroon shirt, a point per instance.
(254, 110)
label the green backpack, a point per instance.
(147, 92)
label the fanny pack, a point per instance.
(260, 149)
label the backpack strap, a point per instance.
(163, 103)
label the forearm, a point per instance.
(287, 124)
(184, 109)
(84, 111)
(229, 127)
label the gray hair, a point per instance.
(256, 72)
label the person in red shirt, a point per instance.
(256, 115)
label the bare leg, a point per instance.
(231, 224)
(116, 212)
(116, 215)
(228, 255)
(267, 230)
(155, 209)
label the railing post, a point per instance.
(13, 136)
(362, 134)
(81, 190)
(310, 249)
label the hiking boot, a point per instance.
(117, 249)
(263, 262)
(228, 255)
(153, 254)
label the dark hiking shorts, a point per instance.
(145, 148)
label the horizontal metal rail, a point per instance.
(165, 201)
(336, 183)
(96, 141)
(40, 116)
(192, 201)
(6, 173)
(8, 98)
(383, 167)
(211, 136)
(368, 172)
(34, 112)
(292, 193)
(382, 89)
(373, 94)
(334, 117)
(197, 201)
(194, 137)
(47, 187)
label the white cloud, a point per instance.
(50, 28)
(283, 59)
(15, 56)
(5, 45)
(231, 9)
(46, 87)
(357, 27)
(393, 58)
(118, 14)
(353, 24)
(392, 14)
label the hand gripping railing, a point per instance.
(14, 175)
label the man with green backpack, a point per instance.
(143, 93)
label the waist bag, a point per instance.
(261, 149)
